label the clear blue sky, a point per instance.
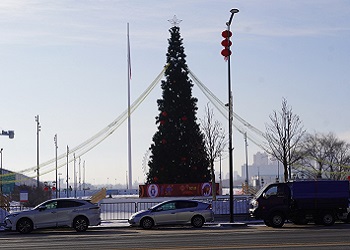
(66, 61)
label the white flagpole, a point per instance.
(129, 113)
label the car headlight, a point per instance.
(255, 203)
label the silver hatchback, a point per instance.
(75, 213)
(174, 212)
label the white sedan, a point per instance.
(76, 213)
(174, 212)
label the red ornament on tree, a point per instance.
(164, 113)
(163, 141)
(155, 178)
(184, 118)
(162, 122)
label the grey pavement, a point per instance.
(218, 223)
(125, 224)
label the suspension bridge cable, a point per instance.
(95, 140)
(223, 109)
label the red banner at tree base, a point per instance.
(177, 190)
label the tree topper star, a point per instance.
(175, 21)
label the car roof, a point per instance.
(183, 200)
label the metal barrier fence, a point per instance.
(123, 210)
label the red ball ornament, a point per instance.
(163, 141)
(162, 122)
(155, 178)
(226, 52)
(226, 43)
(226, 33)
(164, 113)
(184, 118)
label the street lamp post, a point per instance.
(59, 185)
(230, 118)
(38, 129)
(67, 172)
(55, 139)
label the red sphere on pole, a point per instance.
(226, 43)
(226, 34)
(226, 52)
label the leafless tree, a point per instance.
(283, 136)
(325, 156)
(215, 142)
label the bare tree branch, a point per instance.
(283, 135)
(214, 139)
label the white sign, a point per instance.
(23, 196)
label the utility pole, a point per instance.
(55, 139)
(67, 173)
(84, 177)
(246, 159)
(79, 175)
(38, 129)
(75, 178)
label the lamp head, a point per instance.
(234, 11)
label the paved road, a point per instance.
(213, 237)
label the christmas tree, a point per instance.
(178, 150)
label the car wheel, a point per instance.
(24, 226)
(197, 221)
(80, 224)
(147, 223)
(328, 219)
(277, 220)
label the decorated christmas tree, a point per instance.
(178, 151)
